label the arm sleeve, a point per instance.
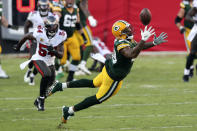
(30, 17)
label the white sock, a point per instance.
(42, 97)
(83, 62)
(186, 72)
(64, 85)
(192, 67)
(70, 110)
(72, 67)
(32, 75)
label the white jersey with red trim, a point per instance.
(36, 19)
(101, 47)
(43, 42)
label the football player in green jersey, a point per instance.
(109, 81)
(185, 29)
(69, 22)
(192, 37)
(4, 23)
(84, 16)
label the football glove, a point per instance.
(92, 21)
(14, 27)
(182, 29)
(147, 33)
(160, 39)
(51, 49)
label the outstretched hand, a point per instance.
(147, 33)
(160, 39)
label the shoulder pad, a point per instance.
(56, 9)
(182, 5)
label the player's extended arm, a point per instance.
(178, 19)
(28, 36)
(190, 15)
(133, 53)
(27, 25)
(84, 7)
(58, 52)
(157, 40)
(5, 24)
(80, 28)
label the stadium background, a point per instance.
(107, 12)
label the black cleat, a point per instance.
(191, 72)
(186, 78)
(65, 114)
(196, 69)
(39, 103)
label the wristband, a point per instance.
(9, 26)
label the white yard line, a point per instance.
(130, 95)
(101, 106)
(123, 128)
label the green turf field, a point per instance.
(153, 98)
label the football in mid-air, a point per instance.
(145, 16)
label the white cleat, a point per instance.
(26, 78)
(4, 76)
(84, 69)
(79, 72)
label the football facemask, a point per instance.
(51, 26)
(43, 7)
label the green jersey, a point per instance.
(1, 9)
(82, 15)
(68, 21)
(186, 6)
(118, 67)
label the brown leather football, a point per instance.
(145, 16)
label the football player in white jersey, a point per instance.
(34, 19)
(49, 45)
(191, 16)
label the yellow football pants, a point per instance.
(72, 46)
(187, 42)
(0, 49)
(88, 34)
(107, 86)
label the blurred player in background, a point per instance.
(100, 54)
(49, 45)
(69, 22)
(115, 70)
(5, 24)
(185, 29)
(185, 6)
(84, 15)
(34, 19)
(192, 17)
